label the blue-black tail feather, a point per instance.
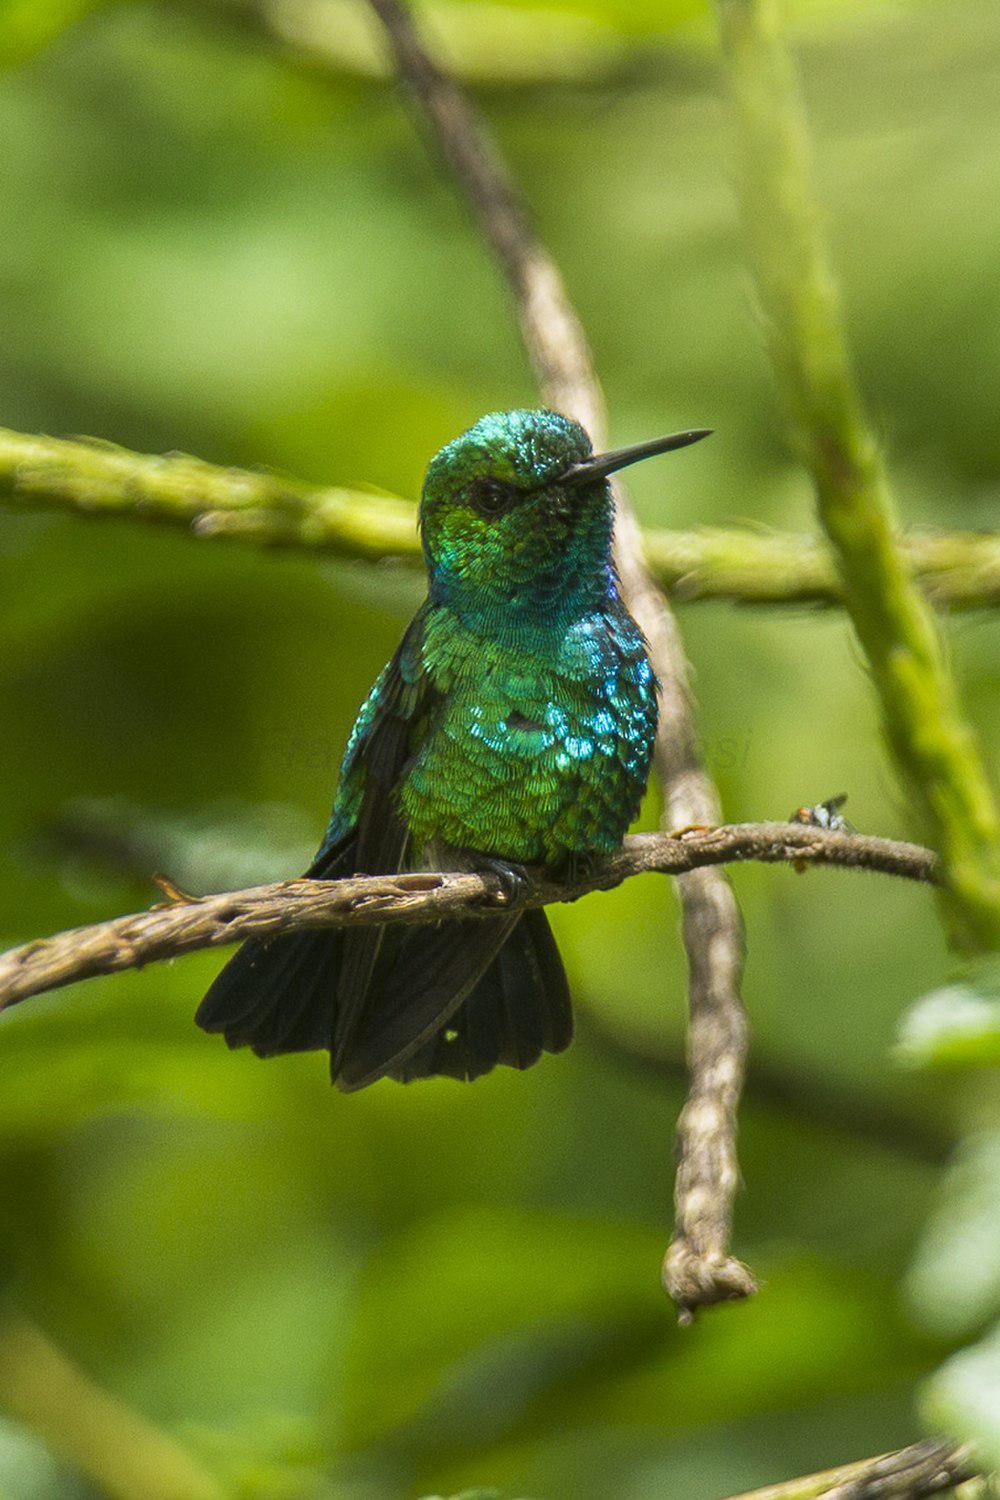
(276, 994)
(455, 998)
(519, 1009)
(424, 975)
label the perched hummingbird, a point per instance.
(514, 726)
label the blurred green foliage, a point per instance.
(965, 1397)
(211, 245)
(958, 1025)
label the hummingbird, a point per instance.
(513, 727)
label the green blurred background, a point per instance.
(211, 243)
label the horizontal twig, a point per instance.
(263, 911)
(956, 570)
(959, 570)
(126, 841)
(95, 478)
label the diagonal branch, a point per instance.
(552, 332)
(922, 1469)
(960, 570)
(113, 1446)
(933, 745)
(187, 925)
(697, 1269)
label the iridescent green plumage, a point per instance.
(535, 741)
(514, 723)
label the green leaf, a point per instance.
(958, 1026)
(963, 1397)
(954, 1284)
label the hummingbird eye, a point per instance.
(491, 498)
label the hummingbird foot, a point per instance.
(578, 866)
(515, 882)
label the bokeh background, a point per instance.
(212, 243)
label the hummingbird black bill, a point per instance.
(600, 465)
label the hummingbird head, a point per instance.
(517, 511)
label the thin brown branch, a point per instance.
(550, 327)
(176, 928)
(922, 1469)
(126, 840)
(698, 1268)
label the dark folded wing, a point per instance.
(401, 712)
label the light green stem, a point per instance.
(100, 479)
(119, 1450)
(959, 569)
(934, 747)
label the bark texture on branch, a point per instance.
(922, 1469)
(184, 926)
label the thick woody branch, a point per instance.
(960, 570)
(185, 926)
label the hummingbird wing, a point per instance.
(296, 992)
(402, 706)
(455, 998)
(276, 993)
